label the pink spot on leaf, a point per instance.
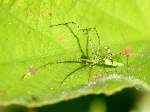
(128, 51)
(31, 70)
(61, 39)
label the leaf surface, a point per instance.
(27, 41)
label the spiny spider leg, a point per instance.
(32, 71)
(127, 60)
(90, 70)
(69, 28)
(127, 56)
(86, 30)
(97, 35)
(79, 68)
(87, 41)
(89, 29)
(50, 63)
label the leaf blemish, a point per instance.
(30, 72)
(128, 51)
(42, 13)
(30, 13)
(60, 39)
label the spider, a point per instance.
(91, 57)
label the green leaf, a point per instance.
(27, 41)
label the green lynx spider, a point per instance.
(95, 57)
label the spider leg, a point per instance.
(127, 60)
(124, 39)
(97, 35)
(86, 30)
(94, 29)
(90, 70)
(50, 63)
(32, 70)
(69, 28)
(79, 68)
(87, 40)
